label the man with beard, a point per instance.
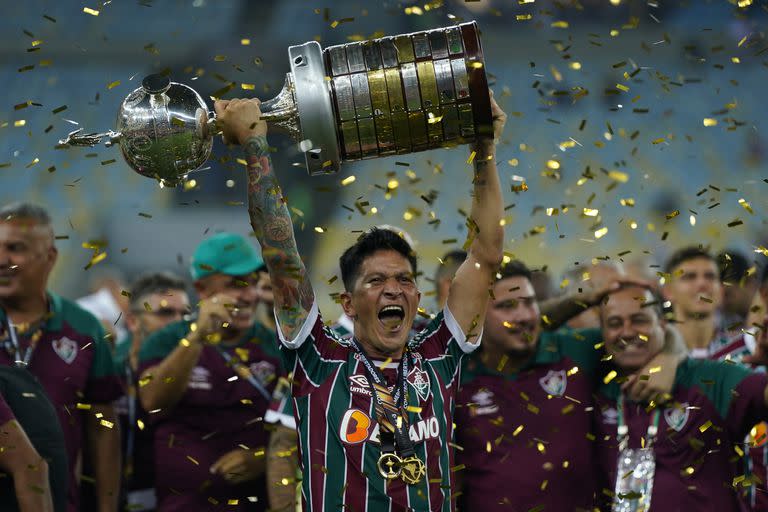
(374, 413)
(63, 346)
(207, 384)
(155, 301)
(692, 438)
(527, 396)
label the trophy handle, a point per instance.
(282, 110)
(76, 138)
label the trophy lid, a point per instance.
(156, 83)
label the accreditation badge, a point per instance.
(634, 480)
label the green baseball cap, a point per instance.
(225, 253)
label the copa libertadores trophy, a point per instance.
(354, 101)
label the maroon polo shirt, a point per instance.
(218, 413)
(73, 362)
(714, 406)
(523, 437)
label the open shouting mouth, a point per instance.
(392, 317)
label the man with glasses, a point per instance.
(156, 300)
(207, 383)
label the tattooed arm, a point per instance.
(240, 122)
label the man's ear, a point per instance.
(346, 304)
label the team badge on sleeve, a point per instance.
(419, 379)
(66, 349)
(677, 417)
(554, 382)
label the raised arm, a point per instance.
(468, 296)
(240, 121)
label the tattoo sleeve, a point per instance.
(271, 222)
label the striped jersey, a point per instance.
(338, 432)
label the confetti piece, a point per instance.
(619, 176)
(610, 376)
(348, 180)
(113, 84)
(559, 24)
(590, 212)
(92, 12)
(708, 121)
(248, 87)
(245, 42)
(658, 141)
(673, 214)
(743, 202)
(523, 17)
(601, 232)
(622, 87)
(336, 23)
(59, 109)
(20, 122)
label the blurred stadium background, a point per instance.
(634, 127)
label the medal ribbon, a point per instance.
(21, 361)
(622, 432)
(389, 408)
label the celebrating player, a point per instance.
(374, 413)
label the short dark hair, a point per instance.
(449, 264)
(155, 282)
(692, 252)
(370, 242)
(30, 211)
(514, 268)
(733, 265)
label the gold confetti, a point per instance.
(105, 423)
(591, 212)
(708, 121)
(471, 157)
(191, 459)
(523, 17)
(517, 431)
(705, 426)
(619, 176)
(658, 141)
(673, 214)
(610, 376)
(744, 204)
(248, 87)
(601, 232)
(245, 42)
(559, 24)
(92, 12)
(20, 122)
(319, 229)
(622, 87)
(83, 407)
(113, 84)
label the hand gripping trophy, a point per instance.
(354, 101)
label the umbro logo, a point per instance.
(359, 384)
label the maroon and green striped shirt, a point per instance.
(338, 433)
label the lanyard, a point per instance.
(131, 434)
(390, 409)
(242, 371)
(21, 361)
(623, 430)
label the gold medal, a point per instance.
(389, 465)
(412, 470)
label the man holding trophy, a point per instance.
(381, 444)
